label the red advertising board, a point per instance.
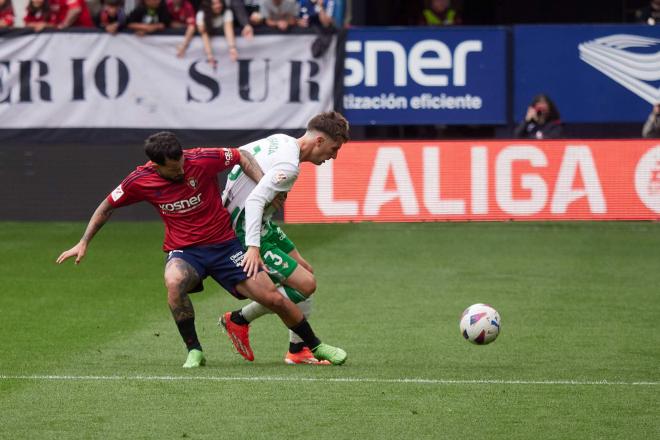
(481, 180)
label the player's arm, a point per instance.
(277, 180)
(250, 166)
(99, 218)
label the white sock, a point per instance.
(255, 310)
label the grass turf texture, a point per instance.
(579, 301)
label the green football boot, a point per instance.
(335, 355)
(195, 359)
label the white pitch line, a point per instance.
(415, 381)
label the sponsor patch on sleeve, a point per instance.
(117, 193)
(279, 177)
(228, 156)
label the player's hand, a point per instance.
(278, 201)
(252, 262)
(77, 251)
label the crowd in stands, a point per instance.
(203, 17)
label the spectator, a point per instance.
(39, 16)
(212, 15)
(439, 13)
(71, 13)
(241, 17)
(652, 126)
(280, 14)
(6, 14)
(317, 14)
(148, 17)
(253, 11)
(183, 15)
(649, 14)
(541, 121)
(111, 17)
(251, 6)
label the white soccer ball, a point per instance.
(480, 324)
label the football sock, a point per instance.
(296, 347)
(238, 318)
(306, 308)
(189, 334)
(252, 311)
(304, 330)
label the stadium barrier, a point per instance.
(94, 80)
(481, 180)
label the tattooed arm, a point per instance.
(99, 218)
(250, 166)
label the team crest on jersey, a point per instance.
(279, 177)
(192, 182)
(117, 193)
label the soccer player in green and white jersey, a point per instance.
(251, 206)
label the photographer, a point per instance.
(541, 121)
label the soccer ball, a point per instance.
(480, 324)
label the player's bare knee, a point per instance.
(308, 287)
(173, 285)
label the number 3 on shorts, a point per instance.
(273, 258)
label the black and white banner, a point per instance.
(96, 80)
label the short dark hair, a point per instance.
(162, 146)
(332, 124)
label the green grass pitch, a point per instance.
(91, 351)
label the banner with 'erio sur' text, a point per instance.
(481, 180)
(97, 80)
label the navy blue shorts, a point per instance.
(222, 262)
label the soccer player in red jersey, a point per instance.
(199, 239)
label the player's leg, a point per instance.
(293, 286)
(293, 253)
(262, 290)
(285, 266)
(298, 352)
(180, 278)
(226, 269)
(289, 269)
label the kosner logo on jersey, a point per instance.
(633, 61)
(182, 206)
(100, 80)
(422, 181)
(417, 75)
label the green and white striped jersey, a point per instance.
(279, 158)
